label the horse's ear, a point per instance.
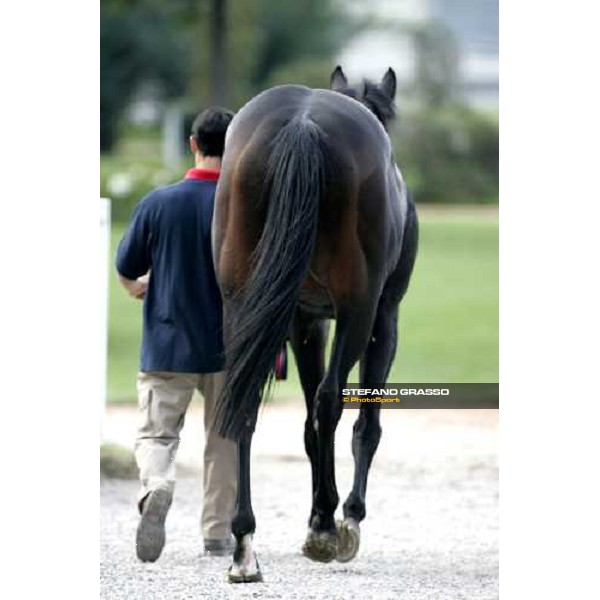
(338, 80)
(388, 84)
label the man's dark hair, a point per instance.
(209, 129)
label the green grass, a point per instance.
(449, 318)
(448, 329)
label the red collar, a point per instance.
(203, 174)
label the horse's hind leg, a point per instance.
(244, 568)
(367, 430)
(375, 368)
(308, 339)
(351, 335)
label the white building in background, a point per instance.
(388, 43)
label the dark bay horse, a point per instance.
(312, 221)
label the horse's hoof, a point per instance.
(235, 576)
(320, 546)
(348, 539)
(244, 568)
(247, 572)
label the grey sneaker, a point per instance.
(150, 537)
(215, 547)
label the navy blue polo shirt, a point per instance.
(170, 235)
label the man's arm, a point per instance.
(133, 254)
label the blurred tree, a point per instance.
(218, 53)
(437, 77)
(448, 150)
(266, 40)
(139, 41)
(449, 155)
(215, 51)
(290, 31)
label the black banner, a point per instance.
(422, 395)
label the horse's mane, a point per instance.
(374, 99)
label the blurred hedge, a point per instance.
(449, 155)
(117, 462)
(126, 183)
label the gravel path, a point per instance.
(431, 529)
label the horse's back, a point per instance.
(346, 123)
(359, 226)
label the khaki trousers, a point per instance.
(163, 400)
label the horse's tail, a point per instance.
(262, 317)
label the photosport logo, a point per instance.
(423, 395)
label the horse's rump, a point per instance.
(302, 215)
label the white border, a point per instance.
(49, 239)
(549, 300)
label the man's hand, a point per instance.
(139, 288)
(136, 288)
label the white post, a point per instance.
(104, 303)
(173, 136)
